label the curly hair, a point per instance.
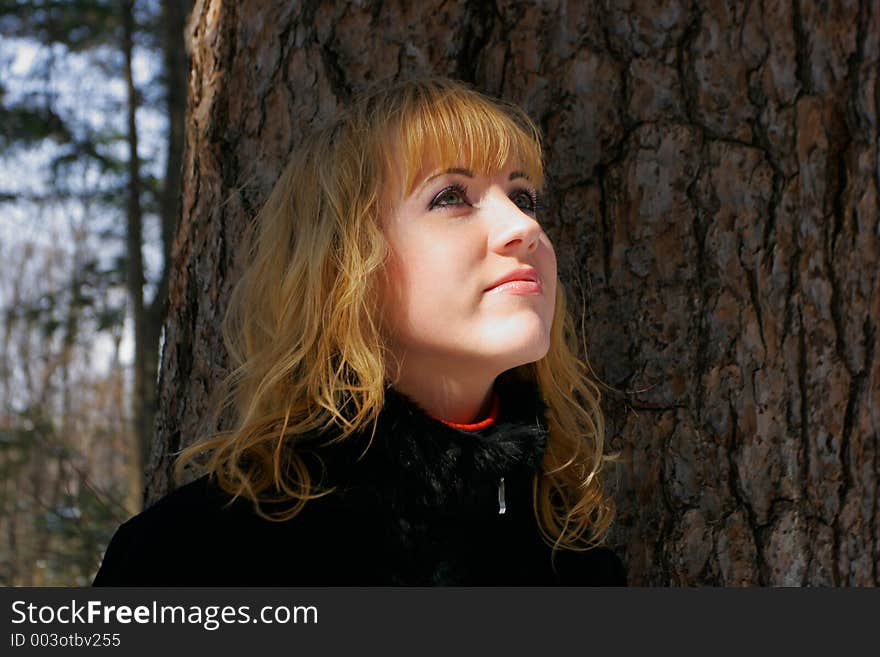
(307, 354)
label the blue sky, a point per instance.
(81, 91)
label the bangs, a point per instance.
(454, 129)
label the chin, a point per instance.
(520, 352)
(537, 351)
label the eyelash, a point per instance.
(535, 201)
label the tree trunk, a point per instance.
(174, 15)
(142, 412)
(713, 177)
(148, 316)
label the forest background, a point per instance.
(92, 104)
(712, 185)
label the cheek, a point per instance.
(547, 262)
(392, 293)
(422, 281)
(437, 264)
(549, 272)
(550, 251)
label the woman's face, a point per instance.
(454, 241)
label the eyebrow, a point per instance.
(470, 174)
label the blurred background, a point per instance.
(92, 100)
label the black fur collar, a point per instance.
(416, 462)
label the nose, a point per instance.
(513, 229)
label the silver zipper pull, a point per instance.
(502, 503)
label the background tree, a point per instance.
(86, 212)
(713, 186)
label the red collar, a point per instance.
(482, 424)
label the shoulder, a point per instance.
(152, 545)
(189, 509)
(198, 536)
(200, 499)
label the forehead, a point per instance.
(485, 144)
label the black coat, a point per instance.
(421, 507)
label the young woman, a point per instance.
(409, 407)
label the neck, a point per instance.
(458, 399)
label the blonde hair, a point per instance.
(307, 354)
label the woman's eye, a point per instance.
(526, 200)
(451, 196)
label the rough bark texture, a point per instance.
(713, 175)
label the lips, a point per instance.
(528, 276)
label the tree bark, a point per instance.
(713, 177)
(148, 316)
(174, 16)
